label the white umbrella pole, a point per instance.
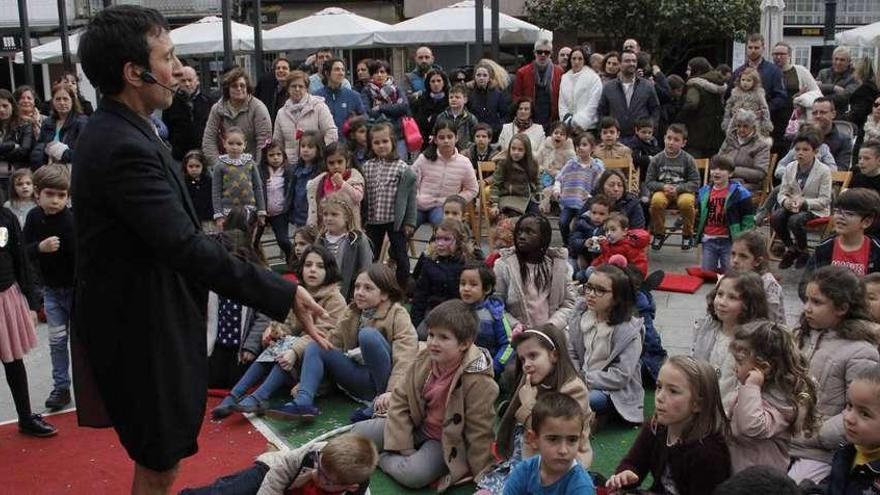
(11, 71)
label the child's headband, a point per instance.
(543, 336)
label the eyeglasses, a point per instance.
(596, 291)
(542, 52)
(780, 54)
(840, 212)
(876, 104)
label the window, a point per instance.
(801, 56)
(849, 12)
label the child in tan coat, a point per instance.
(439, 424)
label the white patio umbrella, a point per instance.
(771, 23)
(868, 35)
(333, 27)
(455, 25)
(205, 37)
(50, 53)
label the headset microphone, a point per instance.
(149, 78)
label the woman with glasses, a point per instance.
(302, 112)
(237, 108)
(605, 343)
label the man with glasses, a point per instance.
(837, 82)
(839, 144)
(539, 81)
(800, 87)
(629, 98)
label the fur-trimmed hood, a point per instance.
(712, 82)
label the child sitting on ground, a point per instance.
(589, 225)
(619, 239)
(872, 296)
(725, 210)
(573, 184)
(856, 466)
(749, 254)
(683, 446)
(342, 465)
(673, 179)
(775, 396)
(608, 147)
(556, 433)
(439, 276)
(500, 237)
(496, 325)
(439, 423)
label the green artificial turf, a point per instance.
(610, 444)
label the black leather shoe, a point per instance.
(36, 426)
(59, 398)
(788, 258)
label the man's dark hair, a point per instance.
(724, 162)
(115, 36)
(556, 405)
(608, 122)
(825, 99)
(755, 37)
(809, 137)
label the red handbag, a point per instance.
(411, 134)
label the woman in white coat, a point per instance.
(579, 93)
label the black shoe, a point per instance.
(801, 260)
(777, 249)
(653, 280)
(658, 241)
(788, 259)
(687, 242)
(36, 426)
(59, 398)
(678, 223)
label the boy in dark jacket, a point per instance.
(643, 145)
(49, 242)
(725, 210)
(853, 212)
(457, 113)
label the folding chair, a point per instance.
(759, 197)
(626, 166)
(484, 169)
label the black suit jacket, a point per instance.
(186, 119)
(143, 271)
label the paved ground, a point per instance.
(676, 314)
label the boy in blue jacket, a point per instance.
(724, 209)
(496, 325)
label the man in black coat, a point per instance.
(143, 268)
(186, 117)
(272, 87)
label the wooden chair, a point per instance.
(626, 166)
(759, 197)
(703, 168)
(484, 170)
(821, 225)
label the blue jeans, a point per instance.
(433, 216)
(600, 402)
(57, 302)
(364, 381)
(566, 215)
(277, 378)
(716, 255)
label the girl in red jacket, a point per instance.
(618, 239)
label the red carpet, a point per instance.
(88, 460)
(678, 282)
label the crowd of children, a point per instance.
(497, 369)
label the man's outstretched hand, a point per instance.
(306, 310)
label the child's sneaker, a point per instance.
(788, 258)
(225, 407)
(802, 259)
(658, 241)
(250, 404)
(687, 242)
(292, 410)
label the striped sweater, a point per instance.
(576, 180)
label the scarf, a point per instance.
(435, 392)
(521, 125)
(544, 77)
(865, 455)
(367, 316)
(385, 95)
(438, 96)
(295, 109)
(327, 186)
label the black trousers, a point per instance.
(397, 250)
